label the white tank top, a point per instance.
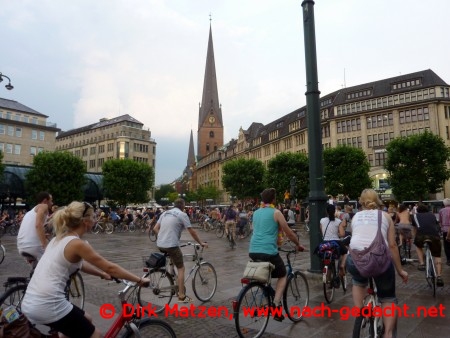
(45, 300)
(365, 227)
(27, 236)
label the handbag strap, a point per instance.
(326, 230)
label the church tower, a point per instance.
(210, 123)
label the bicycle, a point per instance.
(230, 239)
(220, 229)
(103, 226)
(15, 287)
(330, 278)
(258, 297)
(430, 268)
(404, 249)
(163, 281)
(370, 325)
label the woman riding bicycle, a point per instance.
(267, 222)
(365, 227)
(45, 301)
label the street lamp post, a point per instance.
(9, 86)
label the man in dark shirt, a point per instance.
(426, 227)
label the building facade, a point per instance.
(366, 116)
(24, 132)
(116, 138)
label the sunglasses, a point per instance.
(86, 208)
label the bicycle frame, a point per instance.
(429, 259)
(170, 269)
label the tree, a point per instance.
(346, 171)
(163, 192)
(417, 166)
(60, 173)
(282, 168)
(243, 178)
(127, 181)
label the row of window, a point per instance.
(381, 120)
(377, 140)
(405, 84)
(361, 93)
(16, 149)
(17, 132)
(386, 101)
(414, 115)
(378, 159)
(18, 117)
(348, 125)
(355, 142)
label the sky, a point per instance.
(80, 61)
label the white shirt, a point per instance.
(45, 300)
(330, 229)
(27, 236)
(365, 227)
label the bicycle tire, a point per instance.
(2, 253)
(253, 296)
(363, 327)
(328, 282)
(131, 227)
(207, 226)
(220, 230)
(150, 327)
(159, 292)
(109, 228)
(152, 235)
(431, 276)
(75, 291)
(296, 296)
(13, 296)
(344, 282)
(96, 228)
(13, 230)
(205, 278)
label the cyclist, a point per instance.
(45, 302)
(229, 219)
(426, 227)
(403, 223)
(31, 238)
(169, 227)
(267, 222)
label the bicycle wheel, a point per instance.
(363, 327)
(109, 228)
(344, 282)
(296, 296)
(150, 327)
(159, 292)
(204, 283)
(96, 228)
(220, 230)
(131, 227)
(329, 273)
(431, 275)
(152, 235)
(2, 253)
(207, 226)
(13, 296)
(13, 230)
(75, 292)
(251, 311)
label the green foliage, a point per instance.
(60, 173)
(127, 181)
(203, 193)
(346, 171)
(243, 178)
(417, 166)
(163, 191)
(282, 168)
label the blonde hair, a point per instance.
(69, 218)
(369, 199)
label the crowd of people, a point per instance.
(65, 252)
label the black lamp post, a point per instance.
(9, 86)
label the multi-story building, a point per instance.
(24, 132)
(116, 138)
(366, 116)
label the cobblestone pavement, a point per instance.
(127, 250)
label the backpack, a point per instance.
(376, 258)
(231, 214)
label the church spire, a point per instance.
(191, 153)
(210, 123)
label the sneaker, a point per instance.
(276, 315)
(439, 281)
(421, 267)
(186, 299)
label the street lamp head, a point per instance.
(9, 86)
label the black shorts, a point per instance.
(74, 324)
(175, 254)
(280, 268)
(435, 247)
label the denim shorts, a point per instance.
(385, 283)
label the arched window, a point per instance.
(211, 134)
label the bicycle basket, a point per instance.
(156, 260)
